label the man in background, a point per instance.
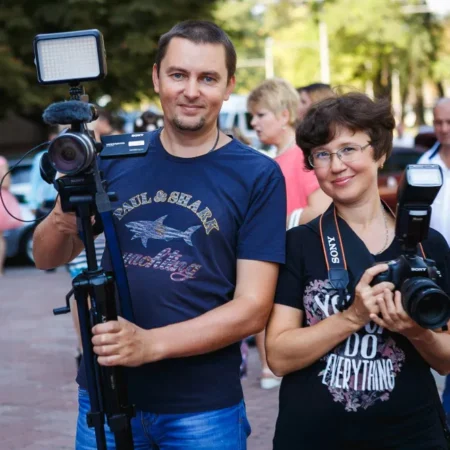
(440, 217)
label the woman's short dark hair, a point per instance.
(354, 111)
(199, 32)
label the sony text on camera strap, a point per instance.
(333, 250)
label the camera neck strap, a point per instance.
(333, 250)
(333, 235)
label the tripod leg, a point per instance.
(115, 399)
(96, 416)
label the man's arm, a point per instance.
(55, 240)
(123, 343)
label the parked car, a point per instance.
(234, 119)
(389, 176)
(19, 242)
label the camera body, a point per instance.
(417, 277)
(406, 267)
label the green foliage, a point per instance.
(131, 29)
(368, 41)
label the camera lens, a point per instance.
(425, 302)
(68, 154)
(71, 153)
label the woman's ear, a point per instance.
(285, 117)
(381, 162)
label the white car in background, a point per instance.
(19, 242)
(234, 118)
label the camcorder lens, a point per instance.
(426, 303)
(71, 153)
(68, 154)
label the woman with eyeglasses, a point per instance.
(356, 367)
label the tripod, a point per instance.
(94, 292)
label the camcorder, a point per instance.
(71, 165)
(417, 277)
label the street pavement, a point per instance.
(38, 394)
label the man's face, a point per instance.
(102, 127)
(192, 84)
(442, 123)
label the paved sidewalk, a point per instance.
(37, 388)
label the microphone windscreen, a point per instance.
(65, 113)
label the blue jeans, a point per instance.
(223, 429)
(446, 395)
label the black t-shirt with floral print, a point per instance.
(372, 391)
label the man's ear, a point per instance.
(230, 87)
(155, 78)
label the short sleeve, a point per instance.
(437, 249)
(262, 235)
(290, 286)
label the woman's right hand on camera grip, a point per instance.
(365, 301)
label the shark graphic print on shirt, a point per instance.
(145, 230)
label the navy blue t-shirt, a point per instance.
(182, 224)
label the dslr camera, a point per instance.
(417, 277)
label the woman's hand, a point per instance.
(366, 302)
(394, 318)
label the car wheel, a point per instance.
(27, 246)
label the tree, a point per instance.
(131, 29)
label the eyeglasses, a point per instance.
(349, 153)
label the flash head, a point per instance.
(420, 184)
(418, 189)
(69, 57)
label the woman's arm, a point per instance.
(289, 347)
(318, 203)
(435, 349)
(3, 170)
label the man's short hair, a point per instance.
(199, 32)
(441, 101)
(275, 95)
(354, 111)
(317, 91)
(104, 114)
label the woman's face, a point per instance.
(268, 126)
(304, 105)
(353, 181)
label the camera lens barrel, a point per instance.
(71, 153)
(425, 302)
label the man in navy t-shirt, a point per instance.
(201, 223)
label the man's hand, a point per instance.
(120, 343)
(394, 318)
(65, 223)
